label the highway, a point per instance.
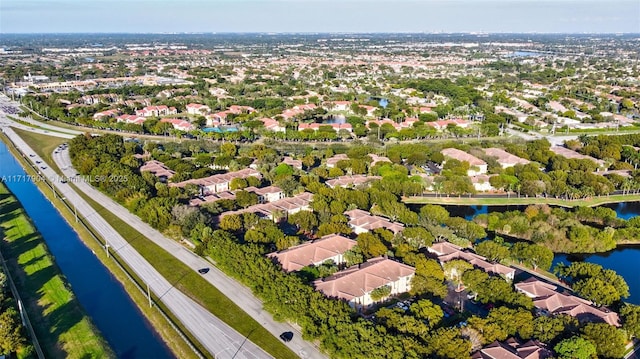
(217, 337)
(234, 290)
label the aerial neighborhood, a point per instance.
(383, 196)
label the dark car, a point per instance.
(203, 270)
(286, 336)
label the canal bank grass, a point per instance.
(62, 327)
(182, 277)
(193, 285)
(523, 201)
(42, 145)
(178, 346)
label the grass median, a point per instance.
(178, 346)
(62, 327)
(523, 201)
(176, 272)
(192, 284)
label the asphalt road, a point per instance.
(241, 295)
(235, 291)
(217, 337)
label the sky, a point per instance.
(174, 16)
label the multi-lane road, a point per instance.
(241, 295)
(216, 336)
(235, 291)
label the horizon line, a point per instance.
(326, 33)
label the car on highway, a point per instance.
(203, 270)
(286, 336)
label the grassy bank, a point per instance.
(62, 327)
(524, 201)
(183, 277)
(192, 284)
(178, 346)
(42, 145)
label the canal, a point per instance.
(103, 298)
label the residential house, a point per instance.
(179, 124)
(161, 110)
(333, 161)
(375, 159)
(504, 158)
(138, 120)
(279, 209)
(446, 251)
(210, 198)
(158, 169)
(350, 181)
(272, 125)
(442, 125)
(198, 109)
(548, 301)
(571, 154)
(219, 182)
(481, 183)
(514, 349)
(363, 221)
(316, 126)
(99, 116)
(356, 283)
(328, 248)
(292, 162)
(477, 166)
(267, 194)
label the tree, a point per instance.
(609, 341)
(575, 348)
(596, 290)
(549, 329)
(380, 293)
(11, 338)
(630, 314)
(232, 222)
(454, 269)
(417, 237)
(433, 214)
(448, 343)
(306, 221)
(245, 199)
(492, 250)
(427, 310)
(371, 245)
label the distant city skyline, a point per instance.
(355, 16)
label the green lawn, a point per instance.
(192, 284)
(42, 145)
(514, 200)
(62, 327)
(166, 331)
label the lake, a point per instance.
(623, 260)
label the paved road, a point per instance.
(241, 295)
(235, 291)
(216, 336)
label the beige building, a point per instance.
(356, 283)
(477, 166)
(328, 248)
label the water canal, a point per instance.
(103, 298)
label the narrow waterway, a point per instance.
(104, 299)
